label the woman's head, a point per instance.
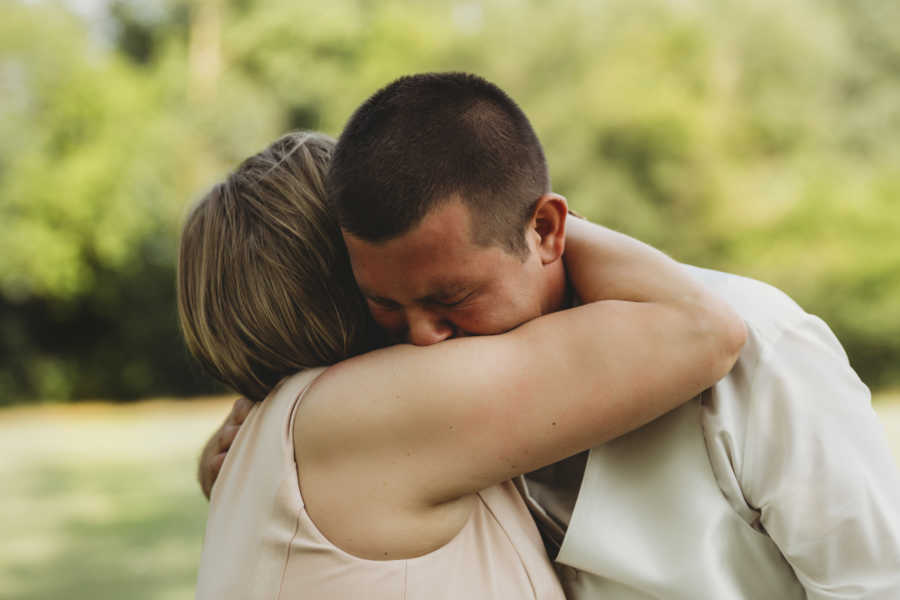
(265, 287)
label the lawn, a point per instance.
(99, 501)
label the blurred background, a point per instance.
(760, 138)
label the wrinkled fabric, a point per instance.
(777, 482)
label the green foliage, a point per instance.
(760, 138)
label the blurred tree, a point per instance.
(760, 138)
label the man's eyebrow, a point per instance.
(370, 294)
(441, 292)
(449, 290)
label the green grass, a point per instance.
(100, 502)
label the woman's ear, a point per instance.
(549, 222)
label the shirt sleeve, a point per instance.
(817, 467)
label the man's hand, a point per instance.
(213, 454)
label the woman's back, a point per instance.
(261, 543)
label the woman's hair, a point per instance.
(265, 287)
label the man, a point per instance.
(775, 483)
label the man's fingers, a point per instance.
(213, 454)
(209, 472)
(216, 464)
(226, 437)
(228, 431)
(240, 410)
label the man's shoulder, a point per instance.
(767, 310)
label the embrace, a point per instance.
(457, 388)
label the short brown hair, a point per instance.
(427, 138)
(265, 287)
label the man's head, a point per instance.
(442, 192)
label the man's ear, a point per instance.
(549, 222)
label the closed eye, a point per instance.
(452, 302)
(383, 303)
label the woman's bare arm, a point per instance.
(406, 430)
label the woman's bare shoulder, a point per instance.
(356, 500)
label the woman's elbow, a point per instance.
(731, 337)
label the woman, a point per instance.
(387, 474)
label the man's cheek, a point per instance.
(483, 323)
(391, 322)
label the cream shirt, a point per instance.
(776, 483)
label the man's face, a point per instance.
(434, 282)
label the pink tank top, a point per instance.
(261, 543)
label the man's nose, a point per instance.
(425, 328)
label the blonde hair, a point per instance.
(265, 287)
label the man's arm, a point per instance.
(213, 454)
(816, 466)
